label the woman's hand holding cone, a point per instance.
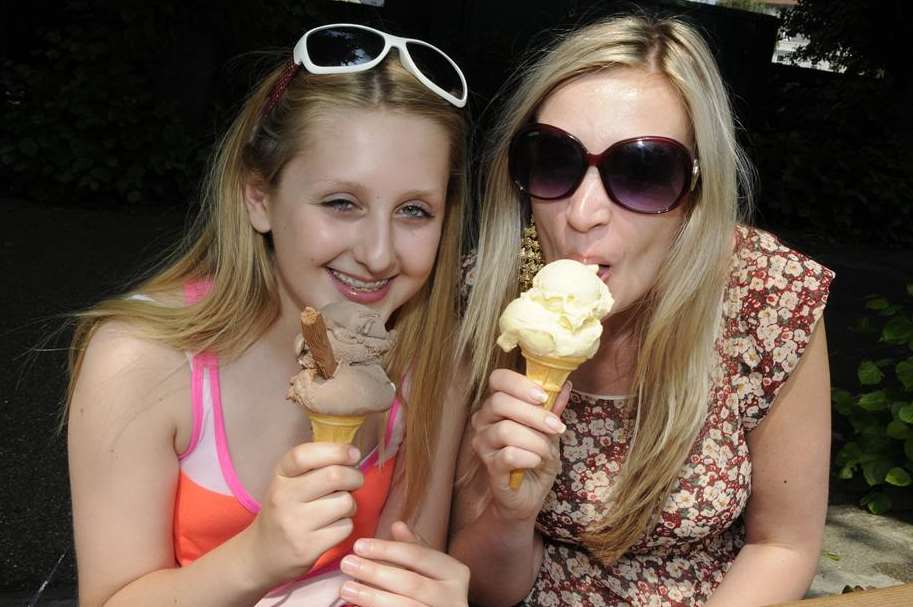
(512, 430)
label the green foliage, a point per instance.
(82, 120)
(879, 443)
(832, 149)
(745, 5)
(856, 188)
(869, 373)
(853, 36)
(121, 101)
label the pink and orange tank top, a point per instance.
(211, 504)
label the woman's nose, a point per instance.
(589, 205)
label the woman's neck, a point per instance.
(611, 370)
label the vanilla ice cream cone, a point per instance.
(550, 373)
(335, 428)
(557, 323)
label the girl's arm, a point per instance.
(785, 514)
(408, 563)
(430, 521)
(123, 429)
(494, 525)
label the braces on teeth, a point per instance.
(352, 282)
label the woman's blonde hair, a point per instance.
(677, 323)
(223, 248)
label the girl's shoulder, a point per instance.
(125, 375)
(125, 349)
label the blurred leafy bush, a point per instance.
(82, 120)
(113, 101)
(830, 162)
(877, 417)
(834, 152)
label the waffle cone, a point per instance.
(335, 428)
(550, 373)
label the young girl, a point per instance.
(194, 480)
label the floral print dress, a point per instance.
(771, 304)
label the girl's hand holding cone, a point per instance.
(307, 510)
(513, 431)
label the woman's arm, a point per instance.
(504, 555)
(494, 525)
(124, 416)
(785, 515)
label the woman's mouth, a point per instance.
(358, 290)
(604, 273)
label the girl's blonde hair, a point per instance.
(223, 248)
(679, 319)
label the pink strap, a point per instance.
(196, 404)
(193, 292)
(225, 463)
(196, 290)
(391, 419)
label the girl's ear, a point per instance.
(256, 199)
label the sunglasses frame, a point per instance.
(301, 56)
(594, 159)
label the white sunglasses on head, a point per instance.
(341, 48)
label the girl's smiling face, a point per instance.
(358, 214)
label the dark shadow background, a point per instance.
(110, 110)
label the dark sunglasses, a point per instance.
(346, 47)
(643, 174)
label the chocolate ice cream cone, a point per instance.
(335, 428)
(550, 373)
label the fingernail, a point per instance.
(362, 546)
(349, 592)
(554, 423)
(354, 454)
(538, 395)
(570, 385)
(350, 564)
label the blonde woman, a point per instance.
(688, 464)
(194, 480)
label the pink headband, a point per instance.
(279, 88)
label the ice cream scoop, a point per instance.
(557, 324)
(560, 316)
(342, 377)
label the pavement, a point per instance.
(861, 549)
(54, 260)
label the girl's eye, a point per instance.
(339, 204)
(415, 211)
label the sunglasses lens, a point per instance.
(546, 164)
(646, 175)
(436, 68)
(339, 46)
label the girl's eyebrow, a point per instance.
(427, 194)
